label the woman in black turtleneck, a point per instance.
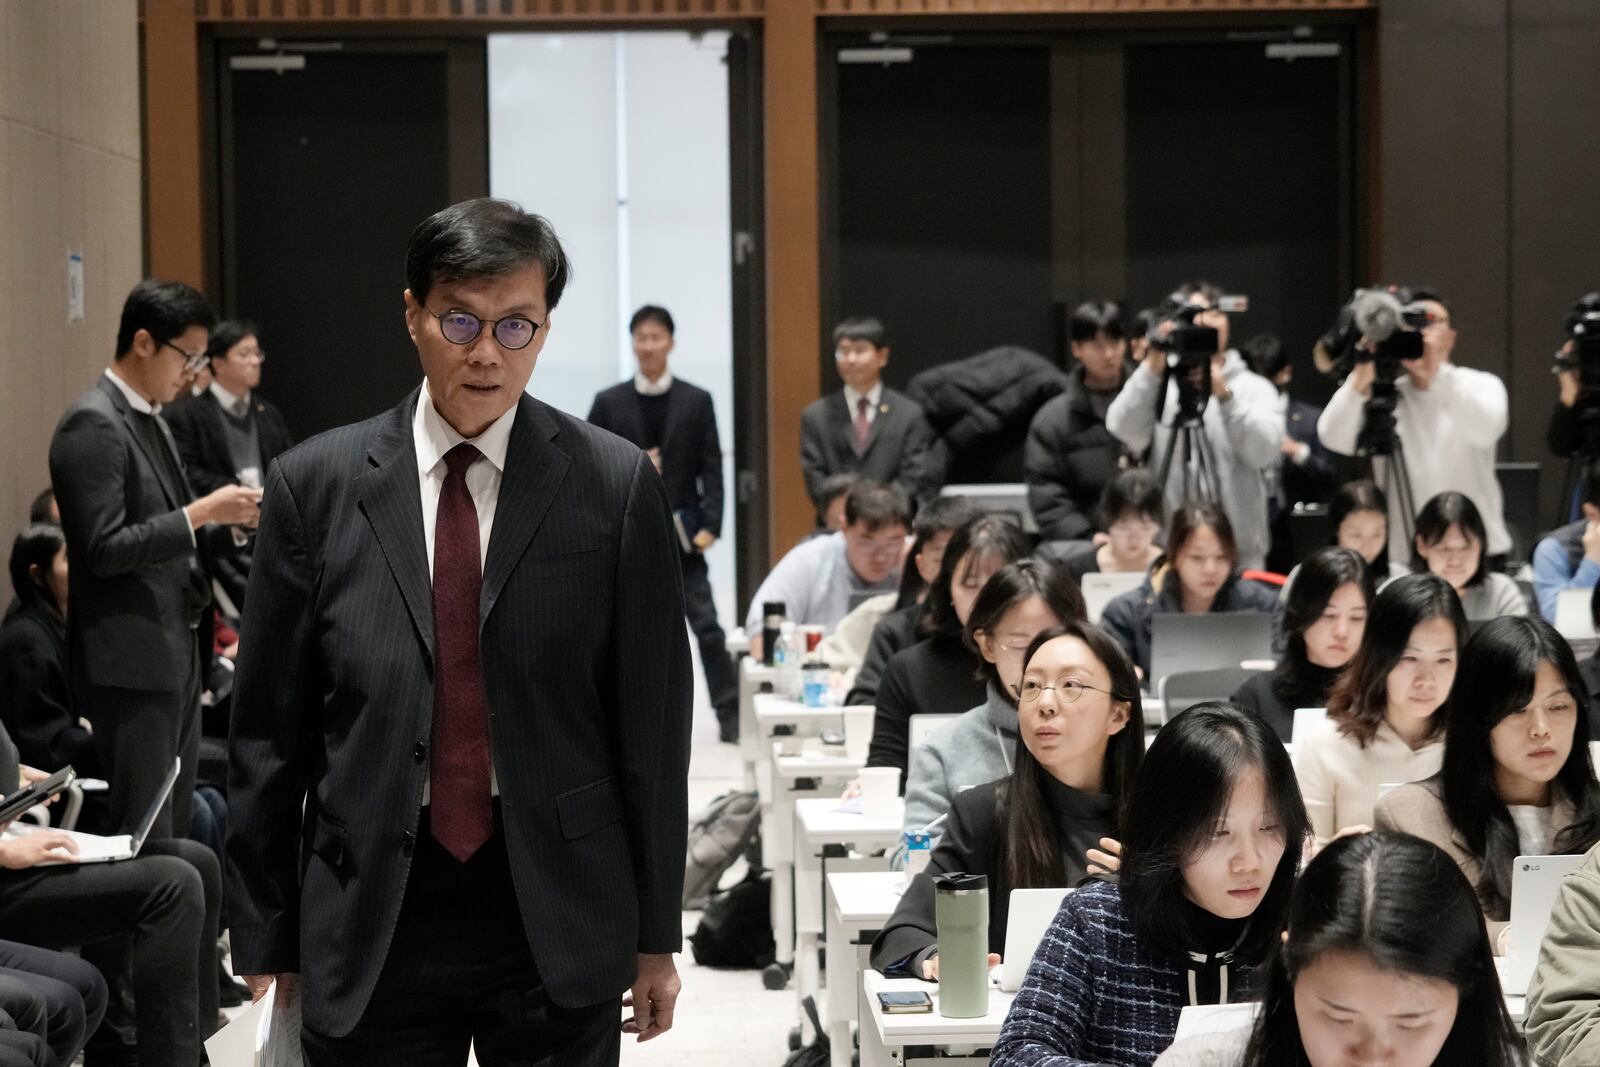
(1082, 737)
(1324, 619)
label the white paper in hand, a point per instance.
(265, 1035)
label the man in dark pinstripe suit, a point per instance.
(463, 651)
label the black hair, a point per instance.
(1181, 793)
(1496, 679)
(35, 546)
(1322, 574)
(835, 486)
(1265, 355)
(1207, 291)
(1188, 519)
(1402, 903)
(1031, 843)
(1591, 483)
(863, 328)
(877, 505)
(1445, 510)
(1417, 294)
(163, 310)
(227, 333)
(1095, 317)
(656, 314)
(1360, 698)
(1362, 495)
(1010, 586)
(484, 238)
(939, 515)
(1131, 492)
(39, 510)
(1145, 322)
(987, 536)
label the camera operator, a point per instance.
(1240, 422)
(1448, 420)
(1565, 436)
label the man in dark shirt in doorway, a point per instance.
(676, 424)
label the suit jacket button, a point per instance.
(420, 752)
(408, 842)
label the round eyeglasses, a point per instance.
(463, 327)
(1067, 690)
(192, 361)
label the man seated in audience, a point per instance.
(1070, 456)
(1449, 420)
(835, 491)
(1240, 421)
(817, 579)
(866, 427)
(229, 434)
(1307, 473)
(1569, 557)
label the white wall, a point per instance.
(621, 140)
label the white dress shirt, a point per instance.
(144, 407)
(238, 406)
(434, 437)
(852, 400)
(645, 387)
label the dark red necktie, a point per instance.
(462, 816)
(863, 424)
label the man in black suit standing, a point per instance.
(865, 428)
(675, 423)
(138, 546)
(460, 729)
(229, 433)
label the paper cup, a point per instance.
(880, 788)
(858, 731)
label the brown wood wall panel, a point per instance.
(391, 11)
(1077, 7)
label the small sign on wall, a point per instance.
(74, 286)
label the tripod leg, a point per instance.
(1166, 459)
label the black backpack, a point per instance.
(820, 1052)
(736, 928)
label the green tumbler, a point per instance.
(961, 908)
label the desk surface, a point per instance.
(816, 761)
(932, 1028)
(865, 898)
(773, 710)
(823, 823)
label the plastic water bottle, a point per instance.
(786, 680)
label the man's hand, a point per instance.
(1361, 378)
(36, 847)
(930, 966)
(704, 540)
(232, 505)
(288, 987)
(34, 774)
(654, 993)
(1219, 384)
(1155, 361)
(1567, 381)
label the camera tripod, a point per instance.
(1200, 479)
(1394, 478)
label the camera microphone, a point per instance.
(1377, 314)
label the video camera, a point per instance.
(1583, 331)
(1384, 327)
(1189, 347)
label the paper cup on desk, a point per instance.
(858, 731)
(880, 788)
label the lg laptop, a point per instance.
(1030, 914)
(1535, 881)
(93, 848)
(1101, 589)
(1181, 642)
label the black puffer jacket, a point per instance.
(1069, 459)
(980, 408)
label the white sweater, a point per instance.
(1339, 779)
(1449, 432)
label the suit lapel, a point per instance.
(388, 495)
(878, 419)
(534, 470)
(120, 402)
(669, 426)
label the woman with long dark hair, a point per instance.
(1021, 601)
(1450, 543)
(1323, 620)
(1385, 961)
(939, 675)
(1358, 517)
(1211, 841)
(1082, 735)
(1381, 727)
(1517, 779)
(1198, 574)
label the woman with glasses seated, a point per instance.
(1449, 543)
(1082, 737)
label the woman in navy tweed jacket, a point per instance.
(1211, 843)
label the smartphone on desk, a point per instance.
(914, 1002)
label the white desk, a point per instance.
(824, 764)
(886, 1033)
(736, 641)
(858, 901)
(751, 675)
(819, 823)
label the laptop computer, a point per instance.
(1101, 589)
(93, 848)
(1535, 881)
(1180, 642)
(1573, 620)
(1028, 917)
(998, 498)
